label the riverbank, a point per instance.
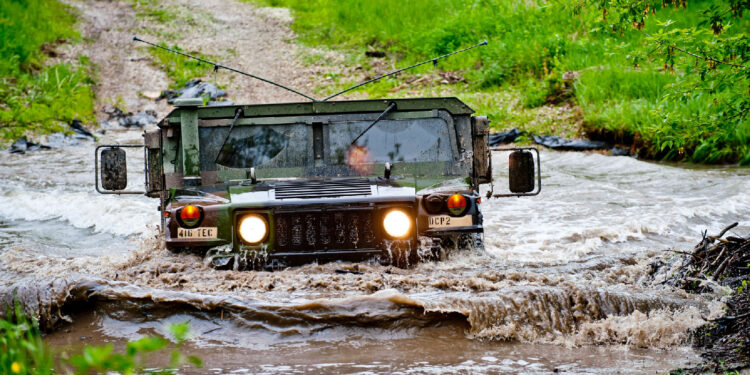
(549, 69)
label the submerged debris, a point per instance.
(508, 136)
(725, 341)
(723, 260)
(22, 145)
(118, 117)
(555, 142)
(559, 143)
(79, 132)
(194, 89)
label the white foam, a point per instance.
(589, 201)
(119, 215)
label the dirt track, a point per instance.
(237, 34)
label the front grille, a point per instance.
(316, 231)
(322, 188)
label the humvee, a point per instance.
(272, 185)
(279, 184)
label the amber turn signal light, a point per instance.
(190, 212)
(456, 204)
(190, 216)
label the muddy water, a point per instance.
(563, 284)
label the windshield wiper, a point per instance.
(391, 107)
(237, 115)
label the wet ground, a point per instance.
(563, 284)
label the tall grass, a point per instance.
(622, 88)
(36, 97)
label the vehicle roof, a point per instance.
(450, 104)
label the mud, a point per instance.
(234, 33)
(560, 272)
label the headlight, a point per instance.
(397, 224)
(252, 229)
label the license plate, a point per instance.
(445, 221)
(208, 232)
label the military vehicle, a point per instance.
(273, 185)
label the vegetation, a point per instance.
(22, 351)
(36, 97)
(626, 80)
(179, 69)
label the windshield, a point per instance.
(421, 146)
(399, 141)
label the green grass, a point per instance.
(622, 88)
(37, 98)
(23, 351)
(180, 69)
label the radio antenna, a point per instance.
(218, 66)
(433, 60)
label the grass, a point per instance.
(23, 351)
(179, 69)
(621, 90)
(37, 98)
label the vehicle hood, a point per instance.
(318, 189)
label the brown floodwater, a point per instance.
(564, 283)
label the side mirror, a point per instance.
(524, 172)
(114, 169)
(521, 168)
(111, 168)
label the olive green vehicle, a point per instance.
(279, 184)
(274, 185)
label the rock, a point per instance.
(620, 151)
(151, 94)
(80, 132)
(139, 119)
(194, 89)
(118, 117)
(559, 143)
(504, 137)
(22, 145)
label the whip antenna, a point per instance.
(218, 66)
(433, 60)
